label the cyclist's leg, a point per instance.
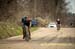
(58, 26)
(23, 32)
(29, 32)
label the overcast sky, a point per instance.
(71, 6)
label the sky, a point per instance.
(71, 5)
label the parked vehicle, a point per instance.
(52, 25)
(34, 23)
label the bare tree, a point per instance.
(48, 9)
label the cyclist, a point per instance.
(26, 21)
(58, 24)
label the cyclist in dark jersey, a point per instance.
(58, 24)
(26, 21)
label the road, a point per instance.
(43, 38)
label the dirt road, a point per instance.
(43, 38)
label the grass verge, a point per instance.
(10, 29)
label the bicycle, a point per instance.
(58, 27)
(26, 34)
